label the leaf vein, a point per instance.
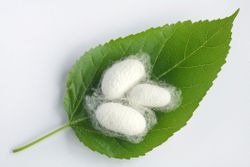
(190, 55)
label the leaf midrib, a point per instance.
(162, 74)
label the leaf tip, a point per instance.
(233, 16)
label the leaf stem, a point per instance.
(48, 135)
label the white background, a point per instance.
(41, 39)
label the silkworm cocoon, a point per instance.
(120, 119)
(121, 76)
(149, 95)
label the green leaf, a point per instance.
(187, 55)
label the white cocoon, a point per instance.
(122, 76)
(120, 118)
(149, 95)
